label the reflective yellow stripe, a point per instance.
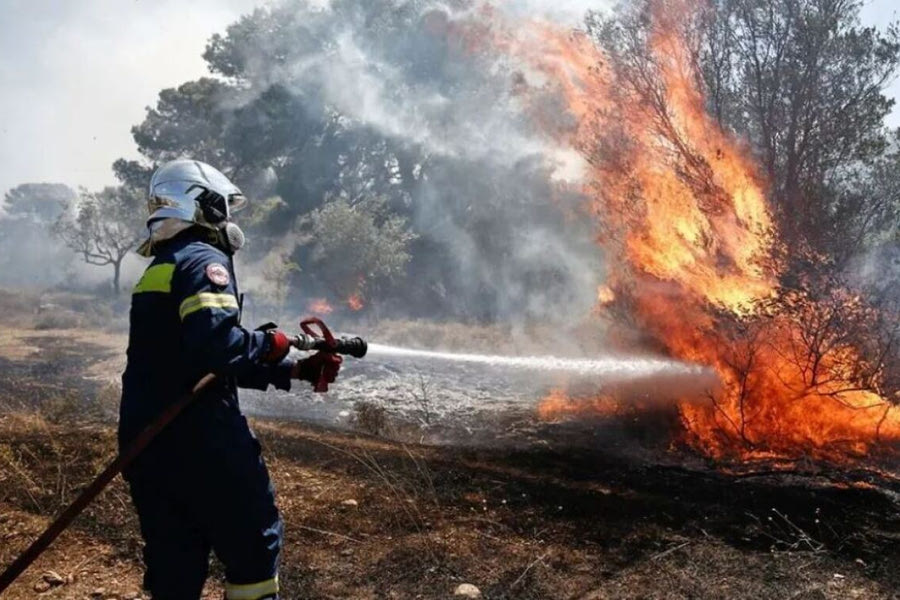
(252, 591)
(206, 300)
(157, 278)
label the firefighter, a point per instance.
(202, 485)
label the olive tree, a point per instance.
(103, 227)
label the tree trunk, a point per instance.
(117, 271)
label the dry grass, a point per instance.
(63, 310)
(426, 519)
(518, 524)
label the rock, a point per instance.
(42, 586)
(467, 590)
(350, 503)
(53, 578)
(98, 593)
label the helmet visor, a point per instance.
(236, 203)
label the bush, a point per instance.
(369, 417)
(359, 248)
(57, 319)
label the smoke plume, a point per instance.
(492, 192)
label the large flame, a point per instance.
(684, 214)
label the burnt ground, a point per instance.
(537, 520)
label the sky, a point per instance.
(76, 75)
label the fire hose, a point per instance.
(322, 341)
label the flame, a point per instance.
(692, 243)
(605, 295)
(319, 306)
(355, 302)
(558, 405)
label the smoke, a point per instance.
(495, 195)
(410, 88)
(77, 75)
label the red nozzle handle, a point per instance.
(324, 333)
(306, 325)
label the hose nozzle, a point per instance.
(351, 346)
(324, 341)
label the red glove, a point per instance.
(320, 369)
(277, 346)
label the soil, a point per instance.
(520, 509)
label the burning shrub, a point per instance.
(696, 259)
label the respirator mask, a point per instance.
(216, 211)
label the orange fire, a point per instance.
(319, 306)
(355, 302)
(685, 218)
(558, 404)
(605, 295)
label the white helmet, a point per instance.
(188, 192)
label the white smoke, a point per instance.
(435, 82)
(478, 118)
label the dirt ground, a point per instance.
(369, 518)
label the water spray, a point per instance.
(620, 368)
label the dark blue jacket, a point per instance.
(185, 323)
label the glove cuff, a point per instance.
(277, 346)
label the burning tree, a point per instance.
(722, 262)
(803, 82)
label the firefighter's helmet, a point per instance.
(190, 190)
(184, 193)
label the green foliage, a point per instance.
(133, 174)
(39, 203)
(260, 121)
(277, 270)
(188, 121)
(359, 248)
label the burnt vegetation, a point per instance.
(367, 517)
